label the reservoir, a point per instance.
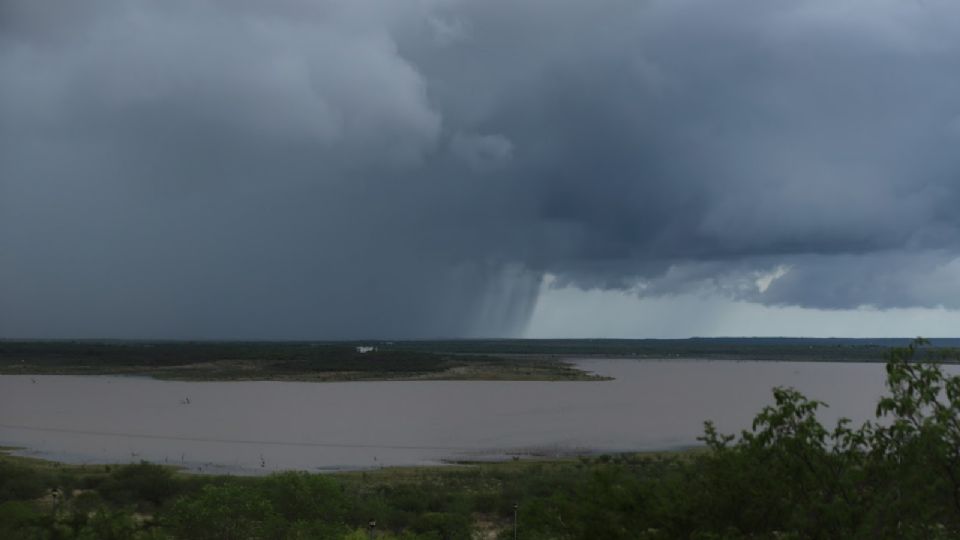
(255, 427)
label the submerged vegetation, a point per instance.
(788, 477)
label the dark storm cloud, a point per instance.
(344, 169)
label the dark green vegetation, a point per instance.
(495, 359)
(789, 477)
(270, 361)
(772, 349)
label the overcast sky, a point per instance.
(438, 168)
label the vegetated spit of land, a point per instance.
(319, 362)
(494, 359)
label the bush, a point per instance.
(226, 512)
(306, 497)
(143, 482)
(18, 482)
(21, 520)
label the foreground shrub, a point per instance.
(145, 482)
(227, 512)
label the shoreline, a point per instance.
(543, 370)
(21, 456)
(443, 360)
(509, 368)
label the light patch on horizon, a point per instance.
(569, 312)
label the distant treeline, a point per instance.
(799, 349)
(173, 353)
(387, 359)
(266, 358)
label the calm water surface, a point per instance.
(264, 426)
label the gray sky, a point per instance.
(359, 168)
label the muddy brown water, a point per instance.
(251, 427)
